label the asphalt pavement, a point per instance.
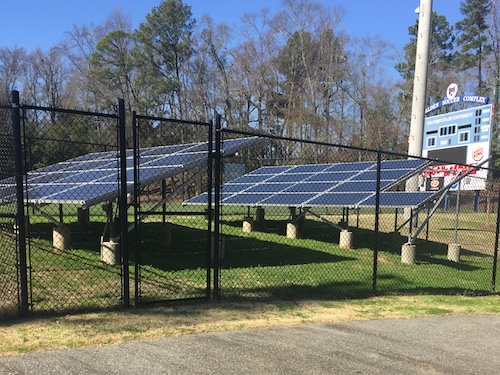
(431, 345)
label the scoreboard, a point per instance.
(461, 137)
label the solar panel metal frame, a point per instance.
(280, 186)
(69, 182)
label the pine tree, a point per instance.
(164, 46)
(472, 41)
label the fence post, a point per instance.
(123, 204)
(21, 226)
(137, 225)
(495, 252)
(377, 218)
(210, 162)
(218, 180)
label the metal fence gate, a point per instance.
(64, 237)
(171, 242)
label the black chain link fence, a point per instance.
(274, 248)
(70, 157)
(298, 233)
(171, 240)
(9, 254)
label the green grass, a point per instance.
(260, 265)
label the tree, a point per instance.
(46, 77)
(472, 41)
(214, 51)
(311, 65)
(83, 88)
(372, 118)
(115, 69)
(164, 47)
(440, 60)
(12, 68)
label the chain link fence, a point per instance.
(70, 157)
(171, 240)
(275, 248)
(9, 250)
(119, 214)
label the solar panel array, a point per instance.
(94, 178)
(336, 185)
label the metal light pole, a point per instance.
(420, 85)
(420, 79)
(419, 93)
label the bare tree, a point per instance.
(46, 77)
(12, 68)
(79, 45)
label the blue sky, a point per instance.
(36, 23)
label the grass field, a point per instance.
(262, 265)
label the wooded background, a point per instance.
(290, 73)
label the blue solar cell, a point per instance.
(355, 167)
(163, 161)
(406, 164)
(82, 193)
(268, 188)
(91, 178)
(332, 176)
(309, 168)
(245, 198)
(343, 184)
(109, 155)
(337, 199)
(40, 178)
(86, 176)
(357, 186)
(199, 199)
(287, 199)
(162, 150)
(290, 177)
(392, 174)
(399, 199)
(311, 187)
(235, 188)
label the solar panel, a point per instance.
(94, 178)
(341, 184)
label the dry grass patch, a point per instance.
(94, 329)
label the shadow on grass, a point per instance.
(189, 249)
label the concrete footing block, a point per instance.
(248, 224)
(292, 230)
(454, 252)
(408, 253)
(61, 238)
(345, 241)
(110, 252)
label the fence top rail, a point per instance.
(72, 111)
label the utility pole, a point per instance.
(419, 96)
(420, 85)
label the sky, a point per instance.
(42, 23)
